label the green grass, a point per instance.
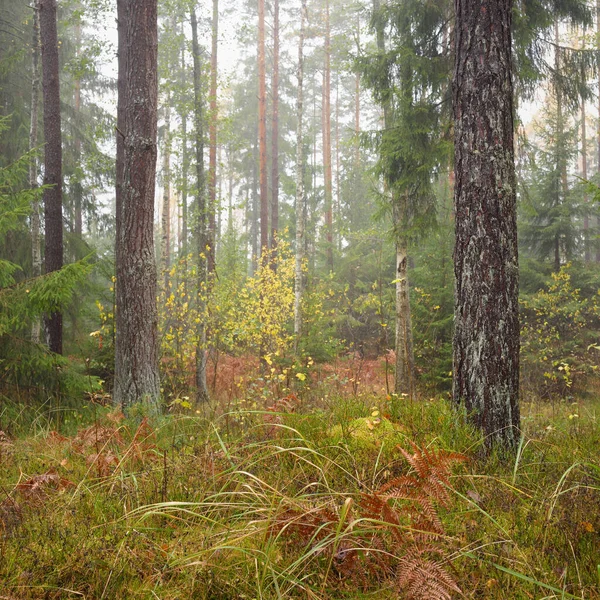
(189, 507)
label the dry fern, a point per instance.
(398, 536)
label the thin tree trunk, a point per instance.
(77, 186)
(201, 219)
(486, 338)
(300, 194)
(598, 132)
(327, 143)
(405, 371)
(275, 134)
(560, 126)
(53, 159)
(262, 133)
(212, 135)
(255, 212)
(166, 207)
(586, 218)
(136, 345)
(338, 205)
(36, 250)
(357, 101)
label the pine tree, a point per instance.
(486, 338)
(136, 347)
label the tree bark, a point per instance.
(275, 133)
(136, 346)
(36, 250)
(52, 159)
(262, 133)
(212, 135)
(598, 132)
(403, 346)
(77, 186)
(166, 207)
(327, 143)
(300, 194)
(486, 339)
(202, 394)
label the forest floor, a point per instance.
(342, 491)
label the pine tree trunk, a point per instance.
(36, 250)
(598, 133)
(327, 144)
(300, 194)
(262, 133)
(275, 133)
(136, 346)
(52, 159)
(357, 101)
(202, 394)
(586, 218)
(185, 162)
(212, 135)
(77, 186)
(560, 157)
(166, 207)
(486, 339)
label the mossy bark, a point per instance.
(486, 339)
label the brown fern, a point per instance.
(399, 537)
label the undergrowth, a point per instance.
(346, 497)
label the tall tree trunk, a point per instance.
(255, 212)
(136, 346)
(327, 143)
(185, 163)
(166, 207)
(201, 219)
(262, 133)
(52, 159)
(405, 371)
(300, 194)
(77, 186)
(357, 101)
(212, 135)
(275, 132)
(486, 338)
(598, 132)
(36, 250)
(560, 156)
(586, 218)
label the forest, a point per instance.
(299, 299)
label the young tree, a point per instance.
(52, 158)
(486, 339)
(136, 344)
(202, 240)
